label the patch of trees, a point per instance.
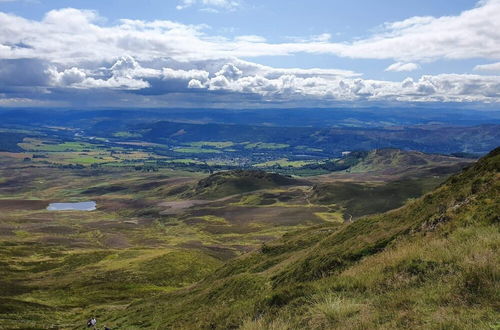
(9, 141)
(146, 168)
(339, 164)
(70, 166)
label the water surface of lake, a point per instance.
(80, 206)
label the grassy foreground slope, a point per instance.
(433, 263)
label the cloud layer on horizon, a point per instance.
(71, 51)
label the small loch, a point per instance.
(79, 206)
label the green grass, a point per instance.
(263, 145)
(331, 216)
(361, 199)
(218, 145)
(197, 150)
(284, 162)
(65, 146)
(185, 161)
(84, 153)
(127, 134)
(85, 160)
(228, 183)
(308, 149)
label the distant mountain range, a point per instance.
(311, 132)
(296, 117)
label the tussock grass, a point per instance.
(332, 308)
(259, 324)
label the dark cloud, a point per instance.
(23, 72)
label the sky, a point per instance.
(249, 54)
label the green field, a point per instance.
(262, 145)
(37, 145)
(284, 162)
(127, 135)
(218, 145)
(197, 150)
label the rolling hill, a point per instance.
(228, 183)
(394, 160)
(388, 164)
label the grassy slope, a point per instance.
(382, 180)
(382, 165)
(359, 199)
(380, 159)
(228, 183)
(431, 264)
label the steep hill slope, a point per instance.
(380, 180)
(433, 263)
(359, 199)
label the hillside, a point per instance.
(228, 183)
(357, 199)
(432, 264)
(380, 180)
(394, 160)
(383, 165)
